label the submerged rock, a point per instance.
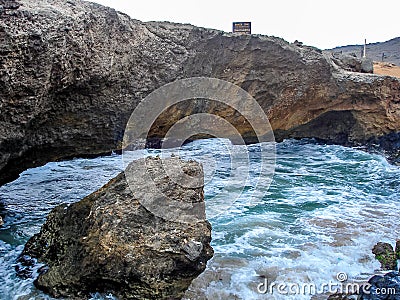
(110, 242)
(385, 254)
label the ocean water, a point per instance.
(318, 215)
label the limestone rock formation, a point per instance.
(367, 65)
(110, 242)
(72, 72)
(385, 254)
(351, 62)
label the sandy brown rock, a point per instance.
(71, 73)
(109, 242)
(387, 69)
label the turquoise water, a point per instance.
(325, 209)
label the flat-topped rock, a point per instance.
(110, 242)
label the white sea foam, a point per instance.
(326, 207)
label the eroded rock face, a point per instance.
(71, 73)
(351, 62)
(385, 254)
(397, 250)
(109, 242)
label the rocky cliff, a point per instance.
(71, 73)
(110, 242)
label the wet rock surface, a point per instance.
(397, 250)
(385, 254)
(110, 242)
(341, 296)
(385, 287)
(72, 72)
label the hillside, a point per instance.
(390, 49)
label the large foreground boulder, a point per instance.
(109, 242)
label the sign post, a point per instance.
(365, 48)
(242, 27)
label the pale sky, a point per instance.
(324, 24)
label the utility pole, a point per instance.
(365, 48)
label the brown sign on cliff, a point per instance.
(242, 27)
